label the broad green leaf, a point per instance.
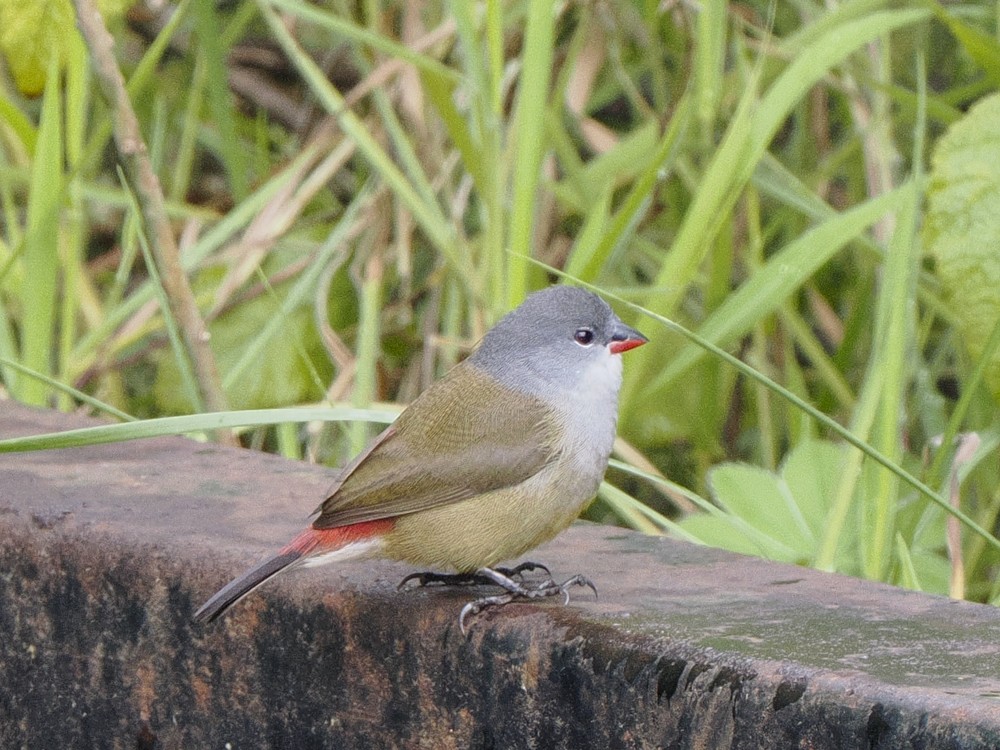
(733, 534)
(962, 228)
(32, 31)
(780, 515)
(280, 377)
(812, 471)
(760, 498)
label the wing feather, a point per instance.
(448, 446)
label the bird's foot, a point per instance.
(527, 566)
(517, 590)
(428, 578)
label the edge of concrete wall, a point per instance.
(106, 551)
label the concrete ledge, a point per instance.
(106, 551)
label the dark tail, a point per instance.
(310, 541)
(239, 587)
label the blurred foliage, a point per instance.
(361, 189)
(32, 33)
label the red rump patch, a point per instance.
(327, 540)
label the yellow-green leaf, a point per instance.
(31, 32)
(962, 230)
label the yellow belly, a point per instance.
(485, 530)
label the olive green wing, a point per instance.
(464, 436)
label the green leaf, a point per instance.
(908, 577)
(232, 150)
(529, 141)
(782, 275)
(962, 228)
(730, 533)
(812, 471)
(41, 245)
(780, 515)
(148, 428)
(760, 498)
(980, 46)
(31, 33)
(282, 373)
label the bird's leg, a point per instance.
(525, 567)
(429, 578)
(516, 590)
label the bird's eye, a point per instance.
(584, 336)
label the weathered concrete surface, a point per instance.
(105, 552)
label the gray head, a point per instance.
(554, 337)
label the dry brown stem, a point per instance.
(134, 157)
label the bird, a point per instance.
(496, 457)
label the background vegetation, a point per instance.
(798, 202)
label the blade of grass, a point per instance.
(479, 135)
(587, 262)
(351, 31)
(235, 220)
(144, 76)
(782, 275)
(368, 347)
(638, 515)
(304, 286)
(672, 488)
(80, 396)
(184, 157)
(41, 244)
(428, 216)
(529, 136)
(908, 577)
(18, 123)
(74, 251)
(8, 352)
(232, 151)
(980, 46)
(750, 132)
(189, 381)
(827, 421)
(709, 61)
(193, 423)
(288, 441)
(403, 147)
(894, 335)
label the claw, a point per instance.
(478, 605)
(524, 567)
(516, 591)
(509, 579)
(579, 580)
(419, 577)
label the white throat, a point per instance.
(590, 405)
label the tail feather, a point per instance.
(239, 587)
(310, 543)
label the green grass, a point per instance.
(748, 184)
